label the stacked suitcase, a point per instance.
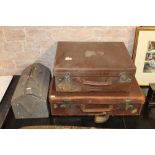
(94, 78)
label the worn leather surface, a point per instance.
(93, 58)
(70, 104)
(93, 66)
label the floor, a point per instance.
(145, 121)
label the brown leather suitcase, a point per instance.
(96, 103)
(93, 66)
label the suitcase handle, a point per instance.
(95, 83)
(93, 110)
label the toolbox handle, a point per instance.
(95, 83)
(28, 85)
(93, 110)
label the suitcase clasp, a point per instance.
(67, 77)
(124, 77)
(128, 105)
(64, 104)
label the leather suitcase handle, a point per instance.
(95, 83)
(94, 110)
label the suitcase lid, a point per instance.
(135, 95)
(92, 59)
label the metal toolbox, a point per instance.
(30, 97)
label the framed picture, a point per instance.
(144, 55)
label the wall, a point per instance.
(21, 46)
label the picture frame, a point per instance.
(144, 55)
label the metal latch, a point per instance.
(67, 77)
(64, 104)
(124, 77)
(128, 104)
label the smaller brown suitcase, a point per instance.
(93, 66)
(96, 103)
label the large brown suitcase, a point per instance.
(93, 66)
(96, 103)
